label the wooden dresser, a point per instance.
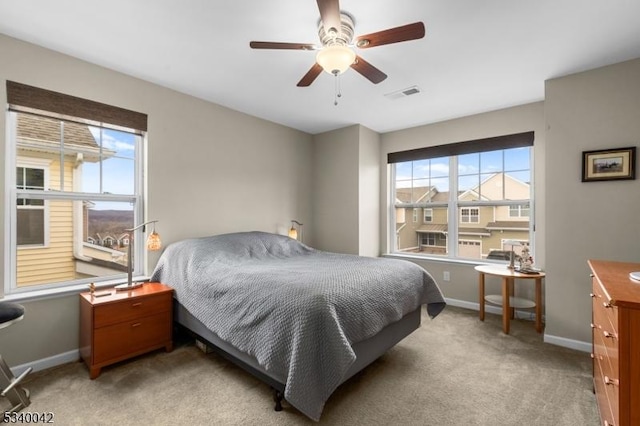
(116, 325)
(616, 341)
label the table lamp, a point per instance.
(153, 243)
(512, 254)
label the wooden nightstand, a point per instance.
(124, 324)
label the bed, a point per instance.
(300, 319)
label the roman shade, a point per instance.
(516, 140)
(22, 95)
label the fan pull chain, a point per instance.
(338, 91)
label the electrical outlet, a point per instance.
(446, 276)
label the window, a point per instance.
(428, 240)
(428, 215)
(469, 215)
(520, 210)
(415, 215)
(473, 198)
(78, 186)
(30, 214)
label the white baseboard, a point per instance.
(526, 315)
(52, 361)
(568, 343)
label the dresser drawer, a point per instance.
(125, 338)
(127, 309)
(602, 396)
(603, 307)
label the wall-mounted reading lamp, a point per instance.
(153, 243)
(294, 232)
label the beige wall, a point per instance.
(368, 193)
(335, 190)
(210, 170)
(598, 109)
(346, 197)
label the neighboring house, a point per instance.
(481, 229)
(50, 232)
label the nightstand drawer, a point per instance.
(127, 309)
(132, 336)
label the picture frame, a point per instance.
(609, 164)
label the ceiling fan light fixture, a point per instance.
(335, 59)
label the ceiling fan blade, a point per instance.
(369, 71)
(310, 76)
(330, 14)
(278, 45)
(392, 35)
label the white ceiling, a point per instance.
(477, 55)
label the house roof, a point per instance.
(433, 228)
(420, 195)
(37, 133)
(34, 127)
(473, 231)
(411, 195)
(508, 224)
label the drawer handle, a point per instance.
(135, 305)
(606, 423)
(610, 381)
(136, 324)
(592, 295)
(606, 305)
(600, 357)
(593, 325)
(609, 335)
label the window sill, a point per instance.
(471, 262)
(49, 293)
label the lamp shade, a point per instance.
(153, 241)
(335, 59)
(293, 233)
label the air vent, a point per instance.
(403, 93)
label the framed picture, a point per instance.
(609, 164)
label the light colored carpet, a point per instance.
(454, 370)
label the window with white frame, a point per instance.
(415, 215)
(520, 210)
(469, 215)
(428, 215)
(477, 193)
(31, 214)
(77, 187)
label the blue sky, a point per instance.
(472, 169)
(118, 170)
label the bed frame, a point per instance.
(366, 351)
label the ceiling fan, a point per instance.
(335, 54)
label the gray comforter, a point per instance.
(295, 309)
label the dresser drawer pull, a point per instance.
(593, 325)
(607, 305)
(592, 295)
(135, 305)
(610, 381)
(609, 335)
(136, 324)
(606, 423)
